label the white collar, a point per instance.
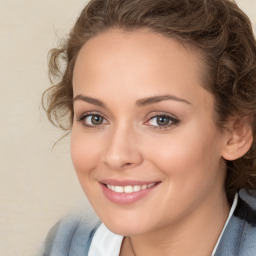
(106, 243)
(231, 212)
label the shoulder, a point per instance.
(246, 207)
(72, 235)
(239, 237)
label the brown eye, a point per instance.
(96, 120)
(93, 120)
(162, 120)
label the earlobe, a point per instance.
(239, 139)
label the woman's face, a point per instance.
(144, 144)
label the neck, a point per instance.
(195, 235)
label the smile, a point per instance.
(129, 189)
(127, 192)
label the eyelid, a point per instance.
(91, 113)
(84, 114)
(161, 113)
(173, 120)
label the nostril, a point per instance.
(127, 165)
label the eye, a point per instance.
(92, 120)
(162, 121)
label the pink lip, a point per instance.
(125, 198)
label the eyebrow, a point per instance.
(139, 103)
(156, 99)
(89, 100)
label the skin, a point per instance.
(189, 207)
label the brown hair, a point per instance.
(217, 28)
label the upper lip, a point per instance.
(126, 182)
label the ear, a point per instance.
(238, 137)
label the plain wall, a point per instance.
(38, 184)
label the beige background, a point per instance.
(38, 185)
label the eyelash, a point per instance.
(172, 121)
(92, 114)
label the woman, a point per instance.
(160, 98)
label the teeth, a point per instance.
(151, 185)
(144, 186)
(119, 189)
(129, 189)
(136, 188)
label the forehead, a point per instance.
(138, 62)
(144, 44)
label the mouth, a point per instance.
(127, 192)
(131, 188)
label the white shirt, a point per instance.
(106, 243)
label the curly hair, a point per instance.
(218, 29)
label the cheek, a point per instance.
(188, 156)
(84, 153)
(191, 165)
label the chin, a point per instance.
(125, 226)
(125, 230)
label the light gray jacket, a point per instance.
(72, 235)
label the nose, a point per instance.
(122, 150)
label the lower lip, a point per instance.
(125, 198)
